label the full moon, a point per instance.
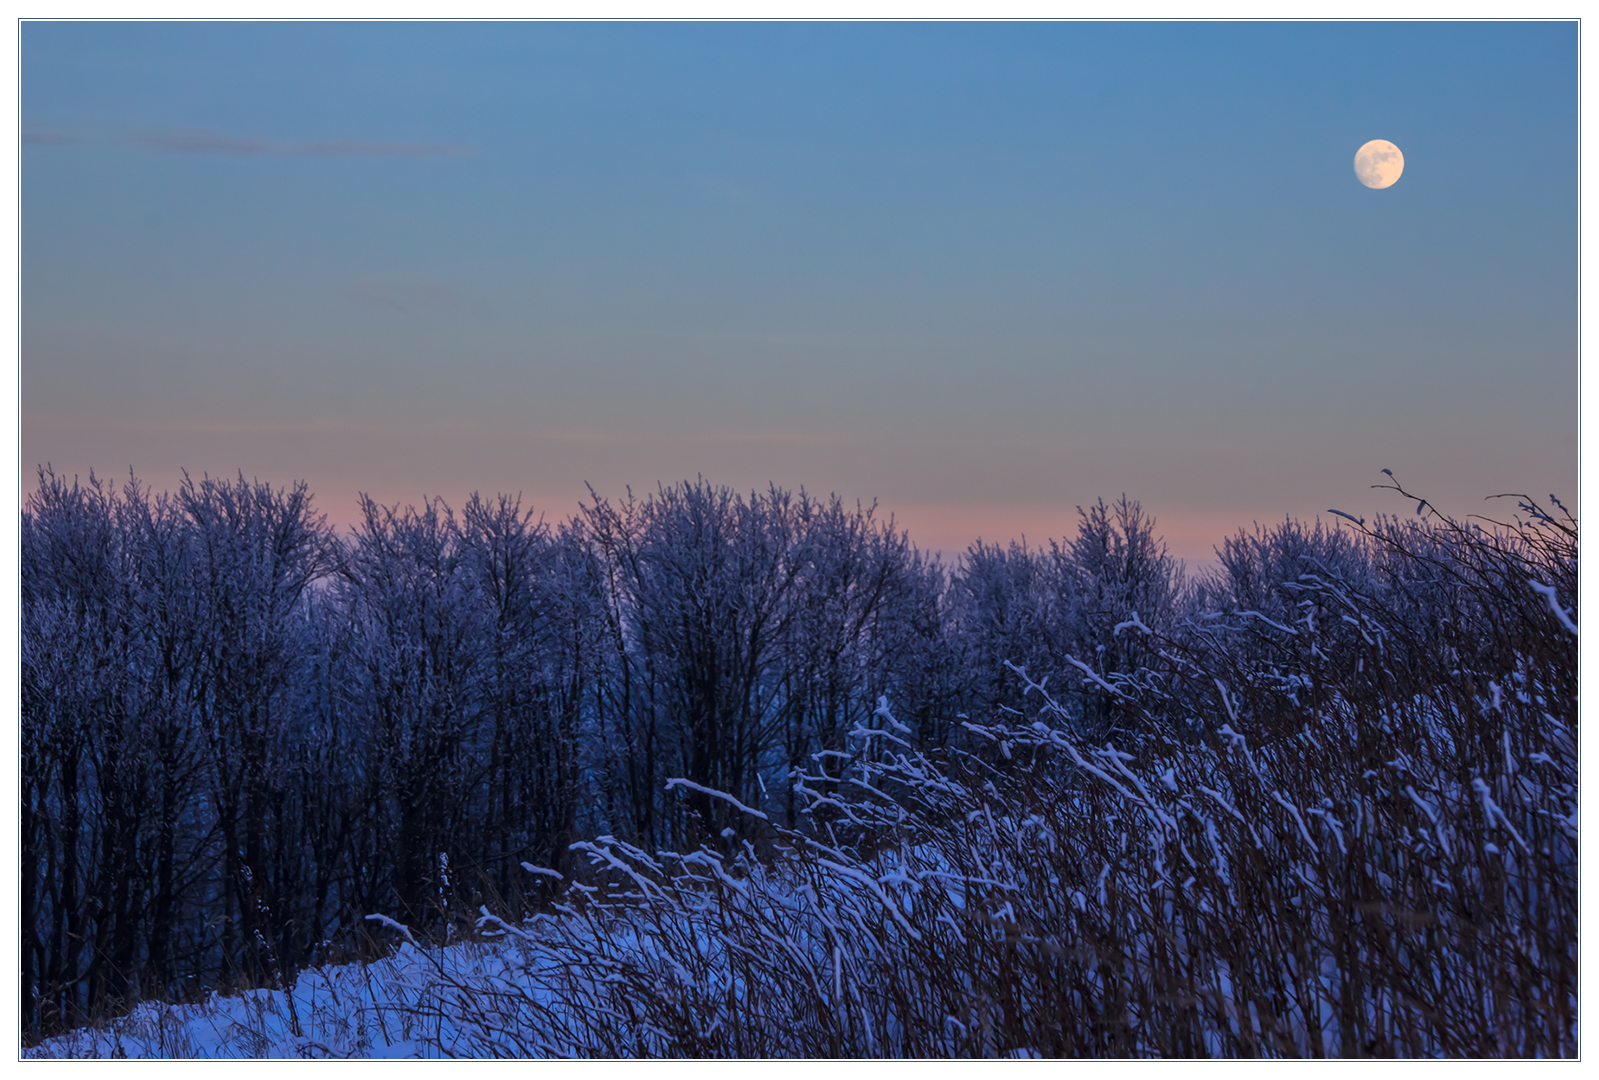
(1379, 163)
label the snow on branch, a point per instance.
(1561, 613)
(1133, 622)
(1092, 675)
(384, 920)
(678, 781)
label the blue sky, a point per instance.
(980, 272)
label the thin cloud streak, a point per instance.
(53, 138)
(211, 142)
(412, 428)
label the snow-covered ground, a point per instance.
(375, 1010)
(1186, 905)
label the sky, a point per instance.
(979, 273)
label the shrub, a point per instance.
(1370, 849)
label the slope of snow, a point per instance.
(376, 1010)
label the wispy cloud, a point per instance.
(211, 142)
(46, 137)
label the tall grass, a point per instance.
(1347, 826)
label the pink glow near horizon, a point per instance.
(948, 530)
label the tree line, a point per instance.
(242, 732)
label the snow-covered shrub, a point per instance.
(1371, 855)
(743, 634)
(1046, 612)
(162, 640)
